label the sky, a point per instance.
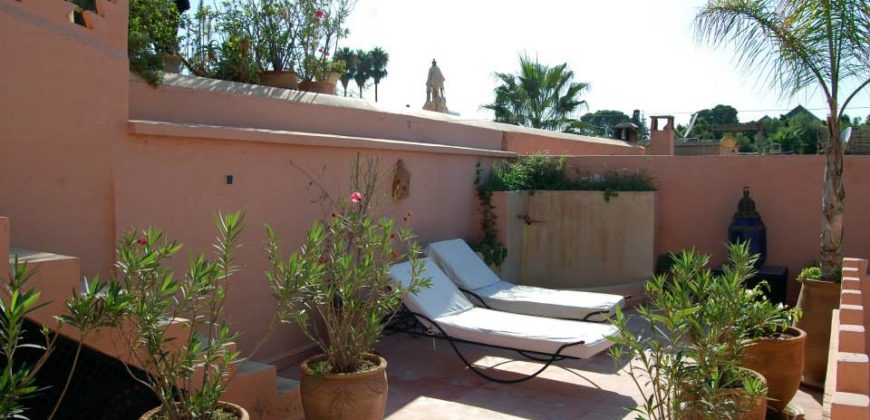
(636, 54)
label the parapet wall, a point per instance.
(698, 195)
(847, 387)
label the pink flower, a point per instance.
(142, 241)
(318, 14)
(356, 197)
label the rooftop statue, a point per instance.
(435, 100)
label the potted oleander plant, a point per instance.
(174, 327)
(320, 27)
(817, 300)
(337, 289)
(777, 347)
(153, 40)
(686, 360)
(272, 26)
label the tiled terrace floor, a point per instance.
(428, 381)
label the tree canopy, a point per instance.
(539, 96)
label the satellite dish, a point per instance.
(845, 135)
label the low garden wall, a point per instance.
(847, 387)
(698, 195)
(577, 239)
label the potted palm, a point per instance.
(817, 300)
(686, 362)
(777, 348)
(174, 326)
(337, 289)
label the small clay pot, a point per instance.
(358, 396)
(226, 406)
(279, 79)
(314, 86)
(817, 300)
(781, 362)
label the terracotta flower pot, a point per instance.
(324, 87)
(757, 409)
(360, 396)
(781, 362)
(817, 300)
(279, 79)
(226, 406)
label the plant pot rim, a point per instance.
(277, 72)
(794, 334)
(817, 281)
(381, 365)
(239, 410)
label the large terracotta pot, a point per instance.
(325, 87)
(279, 79)
(226, 406)
(781, 362)
(817, 300)
(757, 411)
(360, 396)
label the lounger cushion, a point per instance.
(466, 269)
(448, 307)
(553, 303)
(461, 264)
(528, 332)
(442, 299)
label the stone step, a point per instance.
(57, 277)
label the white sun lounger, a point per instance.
(445, 310)
(474, 277)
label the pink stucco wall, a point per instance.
(63, 105)
(177, 183)
(698, 196)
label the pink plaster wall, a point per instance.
(529, 144)
(177, 183)
(63, 104)
(699, 194)
(204, 101)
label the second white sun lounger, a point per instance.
(473, 276)
(448, 311)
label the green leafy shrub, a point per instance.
(814, 272)
(152, 29)
(546, 173)
(200, 360)
(686, 360)
(337, 286)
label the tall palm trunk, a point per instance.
(833, 197)
(376, 91)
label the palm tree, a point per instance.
(802, 44)
(362, 69)
(346, 55)
(539, 96)
(379, 66)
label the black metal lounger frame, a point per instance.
(406, 321)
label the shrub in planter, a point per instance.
(187, 373)
(271, 25)
(690, 350)
(817, 300)
(337, 288)
(152, 36)
(97, 306)
(777, 348)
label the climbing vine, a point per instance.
(492, 250)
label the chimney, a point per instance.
(661, 135)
